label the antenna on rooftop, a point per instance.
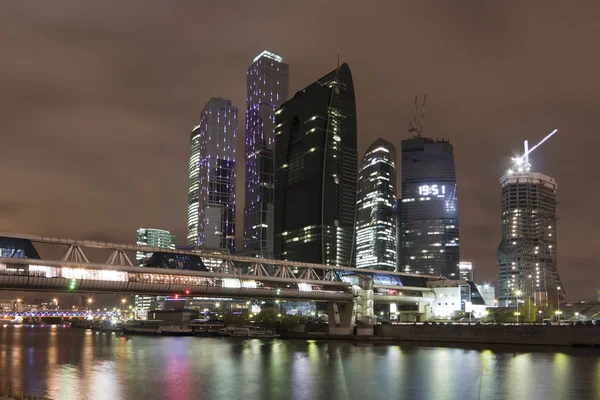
(423, 115)
(412, 125)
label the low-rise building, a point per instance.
(453, 297)
(172, 316)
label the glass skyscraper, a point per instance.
(429, 216)
(527, 253)
(154, 238)
(267, 89)
(211, 201)
(376, 219)
(315, 172)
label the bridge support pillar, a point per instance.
(342, 318)
(356, 314)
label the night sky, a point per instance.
(97, 102)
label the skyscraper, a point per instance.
(154, 238)
(267, 89)
(211, 196)
(465, 270)
(527, 253)
(315, 172)
(429, 211)
(376, 219)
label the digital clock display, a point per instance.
(432, 190)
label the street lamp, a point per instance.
(55, 300)
(123, 301)
(558, 298)
(558, 312)
(89, 301)
(517, 293)
(278, 306)
(541, 317)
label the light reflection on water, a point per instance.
(64, 363)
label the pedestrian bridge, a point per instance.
(59, 276)
(191, 272)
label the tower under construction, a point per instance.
(527, 262)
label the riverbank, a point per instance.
(530, 335)
(10, 393)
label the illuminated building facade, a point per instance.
(315, 172)
(154, 238)
(211, 195)
(527, 253)
(429, 215)
(267, 89)
(398, 217)
(375, 219)
(465, 270)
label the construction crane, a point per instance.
(522, 163)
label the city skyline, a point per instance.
(487, 96)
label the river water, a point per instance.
(65, 363)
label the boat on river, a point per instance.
(157, 328)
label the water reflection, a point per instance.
(64, 363)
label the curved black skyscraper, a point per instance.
(429, 212)
(376, 219)
(315, 172)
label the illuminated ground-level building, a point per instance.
(212, 177)
(429, 214)
(375, 217)
(315, 172)
(456, 297)
(527, 258)
(488, 293)
(267, 89)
